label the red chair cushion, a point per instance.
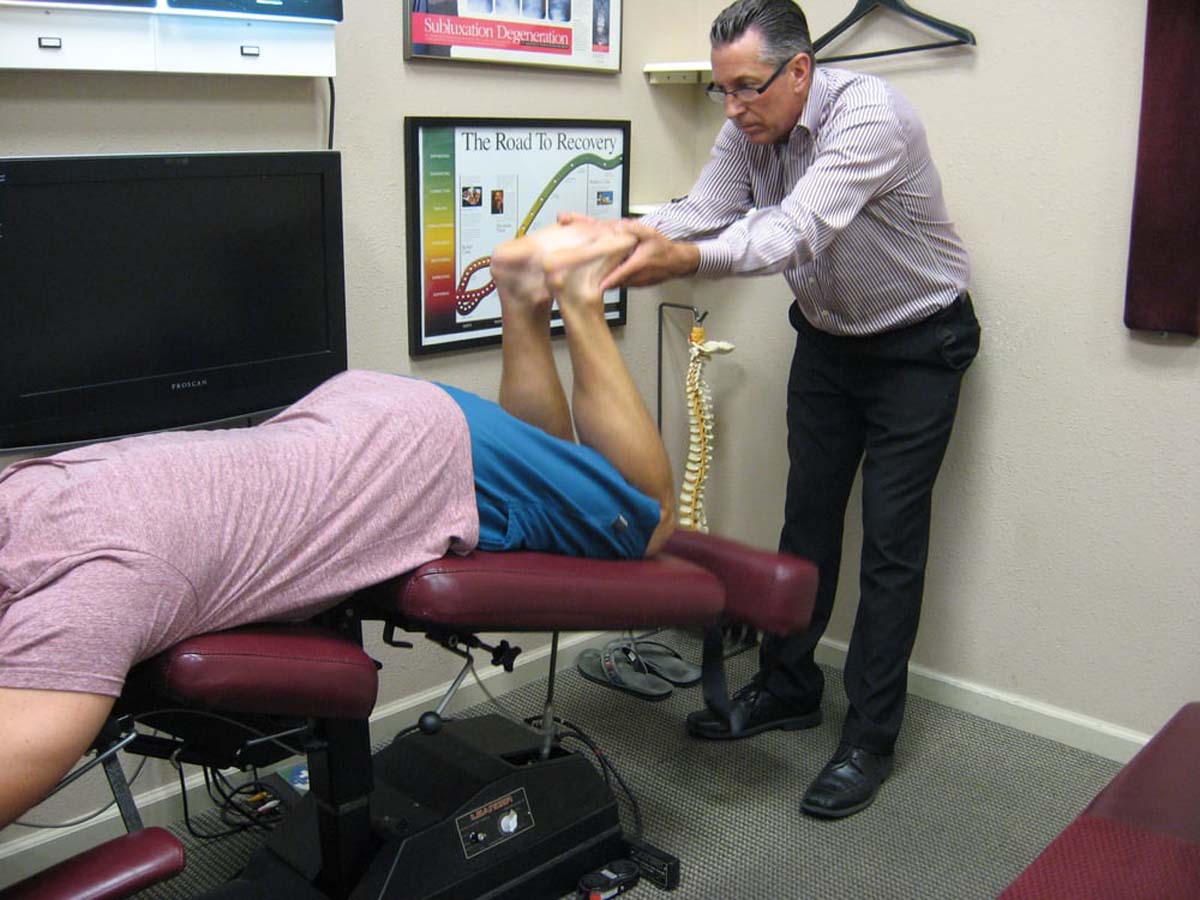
(1159, 789)
(1140, 836)
(285, 670)
(1100, 859)
(118, 868)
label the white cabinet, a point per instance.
(59, 36)
(33, 38)
(244, 46)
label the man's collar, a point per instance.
(810, 118)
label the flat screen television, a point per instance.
(148, 292)
(308, 9)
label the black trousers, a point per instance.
(887, 401)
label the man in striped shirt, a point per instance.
(825, 176)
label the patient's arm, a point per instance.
(42, 735)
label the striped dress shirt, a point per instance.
(849, 209)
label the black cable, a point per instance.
(570, 730)
(332, 104)
(233, 813)
(187, 816)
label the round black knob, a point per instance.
(430, 722)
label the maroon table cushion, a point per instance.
(283, 669)
(544, 592)
(771, 591)
(117, 868)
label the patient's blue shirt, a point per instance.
(539, 492)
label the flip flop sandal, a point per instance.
(615, 668)
(666, 663)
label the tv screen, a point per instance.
(157, 291)
(308, 9)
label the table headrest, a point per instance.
(280, 669)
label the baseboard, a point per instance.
(163, 805)
(1031, 716)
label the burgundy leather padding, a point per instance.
(1100, 859)
(772, 591)
(525, 591)
(1159, 789)
(1140, 836)
(285, 670)
(118, 868)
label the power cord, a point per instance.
(569, 731)
(332, 104)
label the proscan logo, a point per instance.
(189, 385)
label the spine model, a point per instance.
(700, 430)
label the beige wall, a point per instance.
(1064, 568)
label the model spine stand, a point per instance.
(700, 430)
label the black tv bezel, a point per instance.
(194, 397)
(327, 10)
(131, 4)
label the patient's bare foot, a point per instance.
(517, 271)
(574, 273)
(518, 266)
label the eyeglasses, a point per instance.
(745, 94)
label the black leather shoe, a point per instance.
(847, 784)
(760, 712)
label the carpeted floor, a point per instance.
(969, 804)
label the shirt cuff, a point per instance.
(716, 259)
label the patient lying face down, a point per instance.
(113, 552)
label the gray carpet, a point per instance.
(968, 806)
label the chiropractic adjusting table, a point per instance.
(475, 808)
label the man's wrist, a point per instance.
(687, 258)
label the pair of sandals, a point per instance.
(647, 669)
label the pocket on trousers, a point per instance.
(958, 339)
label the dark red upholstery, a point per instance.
(301, 670)
(1159, 789)
(543, 592)
(286, 670)
(1140, 836)
(119, 868)
(307, 671)
(770, 591)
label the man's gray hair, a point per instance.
(781, 23)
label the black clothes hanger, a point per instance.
(959, 34)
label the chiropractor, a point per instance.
(825, 176)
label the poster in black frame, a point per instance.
(475, 182)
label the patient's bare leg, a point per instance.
(608, 411)
(44, 734)
(530, 388)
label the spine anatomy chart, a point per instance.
(700, 430)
